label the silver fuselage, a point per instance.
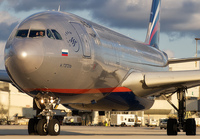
(98, 61)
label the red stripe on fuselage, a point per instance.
(85, 91)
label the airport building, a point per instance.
(14, 103)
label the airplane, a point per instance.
(61, 58)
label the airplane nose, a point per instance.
(23, 57)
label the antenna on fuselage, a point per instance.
(59, 8)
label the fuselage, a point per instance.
(77, 60)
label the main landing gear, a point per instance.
(186, 125)
(44, 123)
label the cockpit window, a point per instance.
(37, 33)
(22, 33)
(49, 34)
(56, 34)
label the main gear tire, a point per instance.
(190, 127)
(172, 127)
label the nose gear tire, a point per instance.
(42, 127)
(54, 127)
(32, 126)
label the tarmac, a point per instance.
(94, 132)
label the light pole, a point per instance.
(196, 44)
(196, 49)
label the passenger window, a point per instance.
(22, 33)
(37, 33)
(49, 34)
(56, 34)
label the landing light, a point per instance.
(42, 101)
(24, 54)
(51, 100)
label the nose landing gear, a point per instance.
(45, 123)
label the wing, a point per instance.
(173, 61)
(156, 83)
(4, 76)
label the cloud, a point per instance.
(2, 46)
(5, 30)
(121, 14)
(27, 5)
(118, 13)
(169, 53)
(177, 17)
(7, 18)
(115, 13)
(7, 24)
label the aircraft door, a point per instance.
(84, 38)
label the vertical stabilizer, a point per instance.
(153, 32)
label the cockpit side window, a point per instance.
(22, 33)
(49, 34)
(56, 34)
(37, 33)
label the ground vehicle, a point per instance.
(72, 120)
(12, 121)
(138, 121)
(151, 122)
(163, 123)
(197, 120)
(122, 119)
(3, 121)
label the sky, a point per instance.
(180, 19)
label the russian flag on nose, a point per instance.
(65, 52)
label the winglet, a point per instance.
(153, 32)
